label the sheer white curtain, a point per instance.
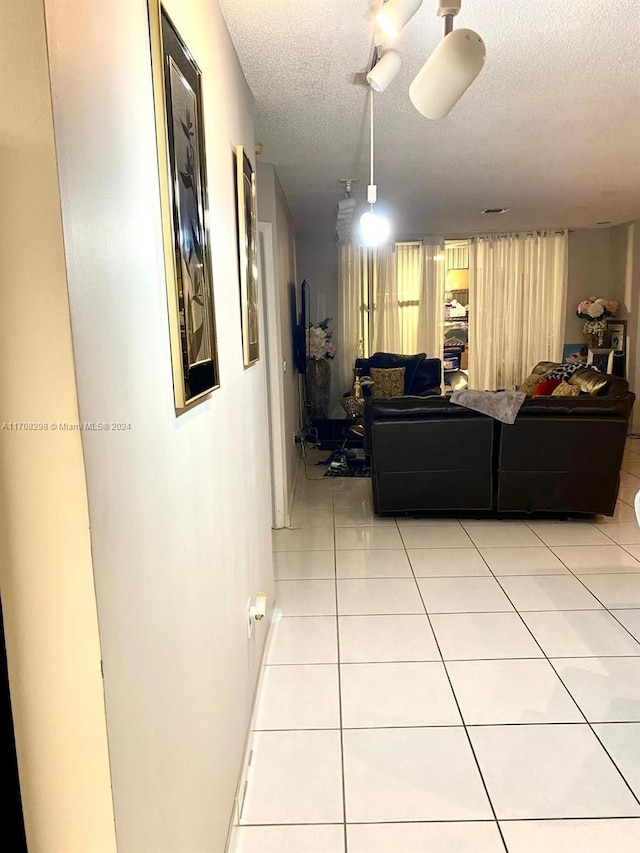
(351, 289)
(386, 332)
(517, 292)
(430, 332)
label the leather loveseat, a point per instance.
(422, 378)
(562, 456)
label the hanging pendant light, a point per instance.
(374, 228)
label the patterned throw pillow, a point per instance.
(564, 371)
(529, 385)
(566, 390)
(388, 381)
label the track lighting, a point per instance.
(384, 71)
(395, 14)
(451, 68)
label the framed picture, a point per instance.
(183, 197)
(247, 255)
(602, 359)
(575, 352)
(617, 331)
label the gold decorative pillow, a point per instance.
(388, 381)
(530, 383)
(565, 390)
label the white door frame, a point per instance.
(274, 371)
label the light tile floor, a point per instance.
(448, 686)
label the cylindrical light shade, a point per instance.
(374, 229)
(395, 14)
(448, 73)
(384, 71)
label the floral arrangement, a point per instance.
(319, 344)
(594, 310)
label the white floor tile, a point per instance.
(290, 839)
(634, 550)
(303, 539)
(471, 837)
(623, 532)
(511, 691)
(306, 598)
(409, 521)
(623, 512)
(548, 592)
(303, 565)
(362, 538)
(606, 689)
(619, 591)
(523, 561)
(550, 771)
(632, 466)
(447, 562)
(384, 695)
(503, 534)
(304, 639)
(411, 775)
(373, 564)
(580, 633)
(443, 536)
(630, 619)
(572, 836)
(358, 514)
(378, 596)
(627, 478)
(295, 777)
(477, 636)
(568, 533)
(627, 494)
(299, 697)
(306, 516)
(463, 595)
(622, 742)
(596, 559)
(386, 638)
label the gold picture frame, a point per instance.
(177, 91)
(247, 256)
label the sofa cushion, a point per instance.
(387, 360)
(427, 378)
(546, 387)
(388, 381)
(566, 390)
(529, 385)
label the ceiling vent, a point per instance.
(495, 211)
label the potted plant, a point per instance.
(594, 312)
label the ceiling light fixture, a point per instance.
(451, 68)
(374, 228)
(385, 70)
(345, 211)
(395, 14)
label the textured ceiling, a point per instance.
(550, 128)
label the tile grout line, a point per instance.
(335, 581)
(455, 698)
(546, 657)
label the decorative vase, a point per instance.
(318, 386)
(595, 332)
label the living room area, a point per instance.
(454, 659)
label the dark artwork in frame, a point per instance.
(247, 255)
(183, 184)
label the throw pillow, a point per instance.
(546, 387)
(566, 390)
(388, 382)
(387, 360)
(564, 371)
(530, 383)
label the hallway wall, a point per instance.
(179, 507)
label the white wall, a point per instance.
(179, 507)
(46, 573)
(589, 274)
(273, 208)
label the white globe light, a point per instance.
(374, 229)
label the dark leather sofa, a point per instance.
(562, 456)
(422, 378)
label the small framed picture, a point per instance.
(601, 359)
(617, 331)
